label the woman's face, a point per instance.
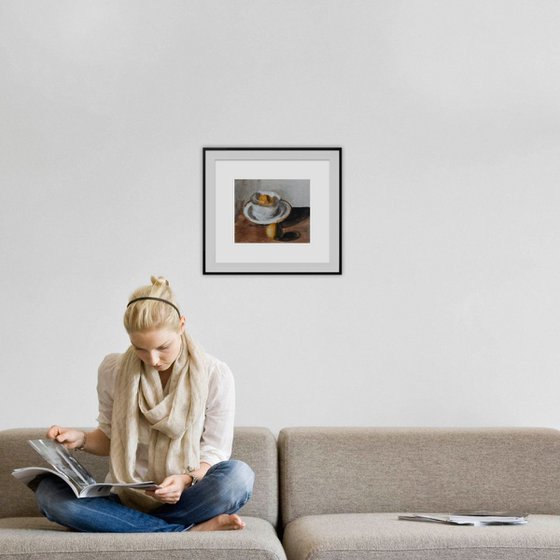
(158, 348)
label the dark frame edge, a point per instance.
(206, 149)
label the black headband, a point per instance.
(155, 299)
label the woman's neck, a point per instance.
(164, 376)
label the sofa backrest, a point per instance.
(360, 470)
(256, 446)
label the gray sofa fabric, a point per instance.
(361, 536)
(34, 538)
(341, 490)
(26, 535)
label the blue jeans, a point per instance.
(225, 488)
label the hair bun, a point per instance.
(159, 281)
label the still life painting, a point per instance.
(272, 210)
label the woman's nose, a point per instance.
(153, 357)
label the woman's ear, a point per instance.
(182, 322)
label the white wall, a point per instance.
(448, 113)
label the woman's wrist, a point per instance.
(82, 447)
(185, 480)
(190, 479)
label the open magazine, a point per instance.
(477, 518)
(68, 468)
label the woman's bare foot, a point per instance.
(222, 522)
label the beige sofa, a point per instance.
(342, 489)
(25, 535)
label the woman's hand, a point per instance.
(171, 488)
(70, 438)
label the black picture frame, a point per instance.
(272, 210)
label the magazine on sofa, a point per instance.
(68, 468)
(476, 518)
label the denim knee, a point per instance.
(243, 476)
(241, 479)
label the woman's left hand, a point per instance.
(170, 490)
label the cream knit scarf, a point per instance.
(174, 420)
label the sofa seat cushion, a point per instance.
(35, 538)
(382, 536)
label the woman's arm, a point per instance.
(95, 442)
(217, 436)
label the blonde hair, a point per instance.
(149, 314)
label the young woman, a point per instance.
(166, 414)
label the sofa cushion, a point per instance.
(38, 539)
(361, 470)
(382, 536)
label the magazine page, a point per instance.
(488, 518)
(476, 519)
(69, 469)
(428, 518)
(63, 462)
(28, 474)
(104, 488)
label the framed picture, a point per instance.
(272, 211)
